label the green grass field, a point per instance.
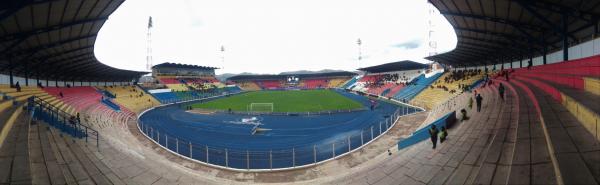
(284, 101)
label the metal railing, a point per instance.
(60, 119)
(294, 157)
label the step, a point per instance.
(592, 85)
(582, 104)
(498, 157)
(7, 118)
(472, 138)
(532, 161)
(44, 165)
(66, 159)
(573, 145)
(14, 157)
(22, 93)
(82, 169)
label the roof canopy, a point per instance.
(54, 39)
(491, 32)
(284, 76)
(394, 66)
(175, 65)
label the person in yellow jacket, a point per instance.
(443, 134)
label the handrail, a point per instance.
(88, 130)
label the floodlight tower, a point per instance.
(149, 45)
(432, 45)
(223, 56)
(359, 43)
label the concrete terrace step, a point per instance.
(475, 167)
(7, 119)
(44, 165)
(497, 158)
(592, 85)
(582, 104)
(14, 159)
(576, 149)
(587, 99)
(454, 162)
(81, 168)
(532, 161)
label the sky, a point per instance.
(271, 36)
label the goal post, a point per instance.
(261, 107)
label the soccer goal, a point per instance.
(261, 107)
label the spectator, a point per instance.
(443, 134)
(471, 102)
(478, 100)
(464, 115)
(433, 133)
(18, 86)
(501, 91)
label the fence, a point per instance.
(277, 159)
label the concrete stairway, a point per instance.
(574, 151)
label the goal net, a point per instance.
(261, 107)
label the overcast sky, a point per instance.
(270, 36)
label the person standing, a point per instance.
(433, 133)
(478, 100)
(501, 91)
(443, 134)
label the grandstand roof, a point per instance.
(394, 66)
(284, 76)
(167, 64)
(491, 32)
(54, 39)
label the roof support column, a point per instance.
(10, 72)
(520, 60)
(27, 72)
(595, 21)
(544, 50)
(565, 26)
(37, 77)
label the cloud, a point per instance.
(412, 44)
(269, 36)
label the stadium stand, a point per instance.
(449, 84)
(167, 80)
(132, 97)
(336, 82)
(545, 130)
(79, 98)
(178, 87)
(269, 84)
(349, 83)
(314, 83)
(414, 88)
(249, 86)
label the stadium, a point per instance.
(515, 102)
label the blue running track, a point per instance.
(290, 141)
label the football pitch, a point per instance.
(283, 101)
